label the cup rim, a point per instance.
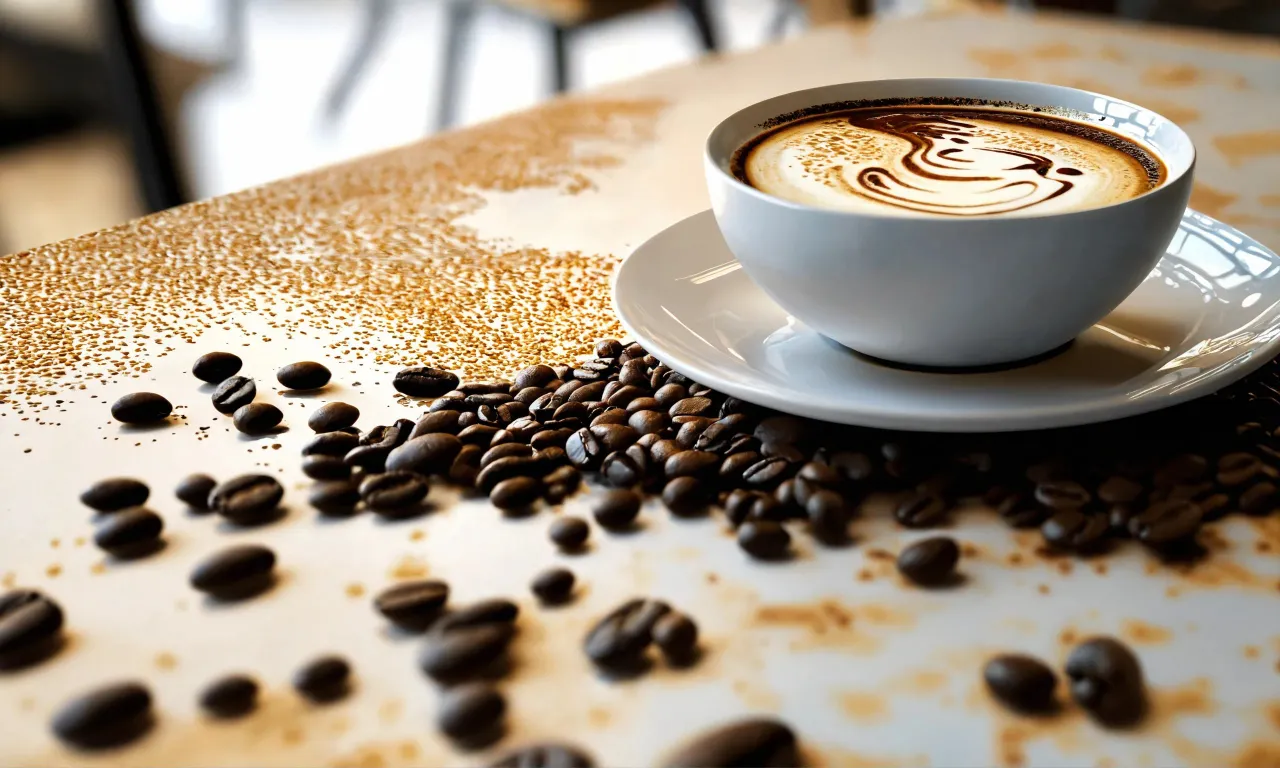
(711, 161)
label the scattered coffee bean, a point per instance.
(691, 464)
(1166, 522)
(1074, 529)
(413, 605)
(676, 636)
(129, 533)
(320, 467)
(114, 494)
(1062, 494)
(930, 562)
(1184, 468)
(430, 454)
(216, 366)
(685, 496)
(1106, 680)
(922, 510)
(335, 498)
(424, 381)
(233, 394)
(465, 653)
(767, 472)
(194, 491)
(553, 586)
(584, 449)
(619, 640)
(569, 533)
(828, 514)
(257, 418)
(440, 421)
(492, 611)
(472, 713)
(247, 499)
(505, 451)
(1022, 683)
(236, 572)
(393, 491)
(323, 680)
(109, 716)
(30, 628)
(230, 697)
(465, 469)
(756, 742)
(141, 408)
(1260, 499)
(535, 376)
(764, 539)
(1238, 468)
(331, 417)
(544, 756)
(303, 376)
(516, 493)
(478, 434)
(337, 444)
(1119, 490)
(616, 510)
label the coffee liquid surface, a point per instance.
(946, 161)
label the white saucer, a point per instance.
(1208, 314)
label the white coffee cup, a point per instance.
(940, 290)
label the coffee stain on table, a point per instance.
(997, 61)
(1054, 51)
(409, 567)
(166, 661)
(1270, 201)
(383, 755)
(835, 757)
(1172, 75)
(828, 624)
(1240, 147)
(1141, 633)
(863, 707)
(1210, 201)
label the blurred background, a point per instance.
(114, 108)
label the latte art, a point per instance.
(947, 162)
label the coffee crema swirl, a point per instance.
(947, 162)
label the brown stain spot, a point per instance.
(55, 543)
(417, 534)
(98, 568)
(1273, 714)
(79, 541)
(1259, 755)
(711, 578)
(1218, 573)
(1239, 147)
(1267, 530)
(1054, 51)
(1100, 568)
(340, 726)
(1270, 201)
(354, 590)
(53, 571)
(1010, 746)
(1068, 637)
(409, 567)
(1171, 75)
(1178, 113)
(1042, 589)
(876, 553)
(1171, 702)
(292, 735)
(409, 750)
(1065, 567)
(922, 682)
(756, 696)
(1016, 559)
(27, 704)
(1112, 54)
(831, 624)
(1252, 652)
(599, 717)
(863, 707)
(9, 580)
(1141, 633)
(1105, 762)
(969, 549)
(996, 60)
(835, 757)
(166, 661)
(1172, 592)
(390, 710)
(865, 574)
(1210, 201)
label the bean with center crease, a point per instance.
(393, 491)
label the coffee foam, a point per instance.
(947, 162)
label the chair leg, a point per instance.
(701, 17)
(459, 15)
(373, 29)
(133, 93)
(559, 58)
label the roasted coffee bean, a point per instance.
(230, 697)
(785, 451)
(767, 472)
(670, 394)
(516, 493)
(129, 533)
(507, 468)
(544, 756)
(431, 423)
(1184, 468)
(676, 636)
(782, 429)
(233, 394)
(692, 406)
(492, 611)
(622, 636)
(423, 381)
(331, 444)
(624, 394)
(450, 401)
(235, 572)
(853, 467)
(545, 407)
(734, 465)
(323, 680)
(1238, 468)
(764, 539)
(608, 348)
(611, 416)
(431, 454)
(737, 505)
(1260, 499)
(588, 393)
(114, 494)
(828, 514)
(471, 713)
(492, 400)
(1166, 522)
(569, 533)
(325, 468)
(247, 499)
(645, 404)
(1118, 517)
(478, 434)
(1021, 683)
(785, 493)
(413, 605)
(335, 498)
(257, 418)
(634, 373)
(691, 464)
(1106, 680)
(929, 562)
(193, 490)
(1062, 494)
(686, 496)
(491, 387)
(393, 491)
(1214, 507)
(1020, 512)
(584, 449)
(1049, 471)
(331, 417)
(535, 376)
(466, 652)
(648, 422)
(758, 742)
(108, 716)
(572, 410)
(465, 469)
(922, 510)
(662, 450)
(505, 451)
(563, 474)
(690, 428)
(616, 510)
(615, 437)
(141, 408)
(551, 438)
(214, 367)
(1076, 530)
(304, 375)
(553, 586)
(765, 506)
(1119, 490)
(624, 469)
(30, 628)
